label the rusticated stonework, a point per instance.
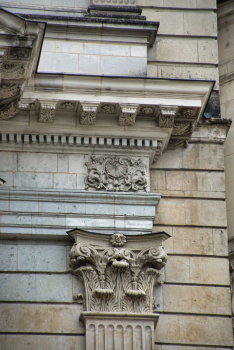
(118, 279)
(116, 174)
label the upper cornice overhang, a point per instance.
(119, 27)
(120, 89)
(20, 45)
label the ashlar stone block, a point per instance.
(45, 342)
(196, 299)
(215, 331)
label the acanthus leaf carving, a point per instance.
(19, 53)
(88, 113)
(68, 105)
(108, 109)
(118, 174)
(174, 143)
(13, 71)
(118, 279)
(128, 114)
(167, 116)
(8, 90)
(9, 109)
(47, 112)
(182, 128)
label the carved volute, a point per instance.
(118, 278)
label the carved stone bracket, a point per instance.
(116, 174)
(88, 113)
(47, 111)
(8, 110)
(117, 279)
(167, 116)
(128, 114)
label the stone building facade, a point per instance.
(105, 158)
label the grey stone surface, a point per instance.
(8, 256)
(41, 256)
(38, 287)
(8, 161)
(64, 181)
(17, 287)
(39, 180)
(45, 342)
(40, 162)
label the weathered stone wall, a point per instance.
(36, 288)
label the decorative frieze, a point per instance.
(167, 116)
(116, 174)
(47, 111)
(88, 113)
(128, 114)
(117, 279)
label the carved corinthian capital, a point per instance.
(167, 116)
(88, 113)
(117, 279)
(47, 111)
(128, 114)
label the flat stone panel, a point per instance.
(68, 46)
(45, 342)
(39, 180)
(195, 156)
(41, 256)
(177, 269)
(183, 71)
(229, 168)
(89, 64)
(196, 212)
(8, 161)
(8, 256)
(138, 51)
(200, 23)
(196, 299)
(209, 270)
(77, 163)
(40, 162)
(208, 51)
(56, 62)
(205, 213)
(216, 331)
(65, 181)
(230, 223)
(174, 50)
(133, 66)
(188, 240)
(170, 212)
(157, 180)
(17, 287)
(171, 22)
(62, 163)
(198, 270)
(40, 318)
(54, 288)
(220, 240)
(108, 49)
(7, 176)
(61, 207)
